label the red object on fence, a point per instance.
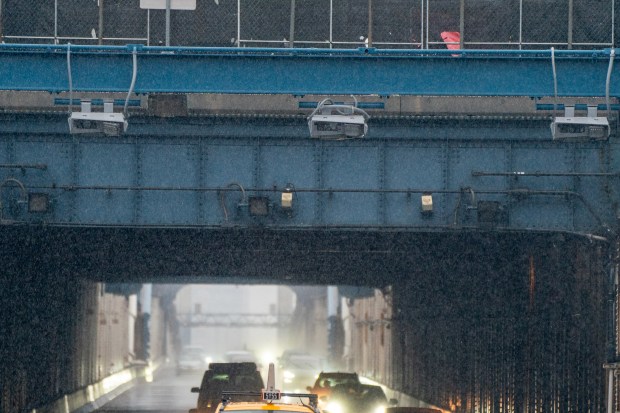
(452, 40)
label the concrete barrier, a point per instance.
(98, 394)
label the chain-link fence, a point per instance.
(471, 24)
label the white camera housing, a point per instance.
(110, 124)
(326, 126)
(337, 121)
(580, 128)
(107, 122)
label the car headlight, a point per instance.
(334, 407)
(379, 409)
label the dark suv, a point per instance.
(326, 381)
(226, 377)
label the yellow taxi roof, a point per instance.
(261, 406)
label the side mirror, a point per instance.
(309, 388)
(393, 402)
(195, 390)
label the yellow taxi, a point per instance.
(272, 400)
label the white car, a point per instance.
(192, 359)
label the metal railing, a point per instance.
(478, 24)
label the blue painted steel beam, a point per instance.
(97, 102)
(205, 174)
(309, 71)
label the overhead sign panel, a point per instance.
(174, 4)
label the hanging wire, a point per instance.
(133, 79)
(70, 78)
(608, 81)
(555, 83)
(223, 197)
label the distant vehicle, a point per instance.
(192, 359)
(239, 356)
(298, 371)
(239, 377)
(362, 398)
(326, 381)
(287, 354)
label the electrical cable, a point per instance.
(223, 198)
(473, 196)
(133, 79)
(608, 81)
(70, 78)
(555, 83)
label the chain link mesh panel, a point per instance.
(32, 20)
(265, 23)
(593, 21)
(312, 24)
(488, 23)
(545, 23)
(397, 24)
(485, 24)
(212, 24)
(78, 20)
(123, 22)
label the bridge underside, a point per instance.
(262, 255)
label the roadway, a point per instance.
(166, 393)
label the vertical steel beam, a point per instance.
(257, 175)
(520, 24)
(1, 25)
(291, 42)
(369, 23)
(425, 44)
(612, 287)
(55, 21)
(569, 36)
(331, 23)
(421, 23)
(75, 171)
(168, 22)
(100, 34)
(462, 25)
(382, 213)
(319, 159)
(137, 211)
(238, 23)
(202, 158)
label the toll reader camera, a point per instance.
(107, 122)
(337, 121)
(580, 128)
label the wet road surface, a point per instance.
(167, 393)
